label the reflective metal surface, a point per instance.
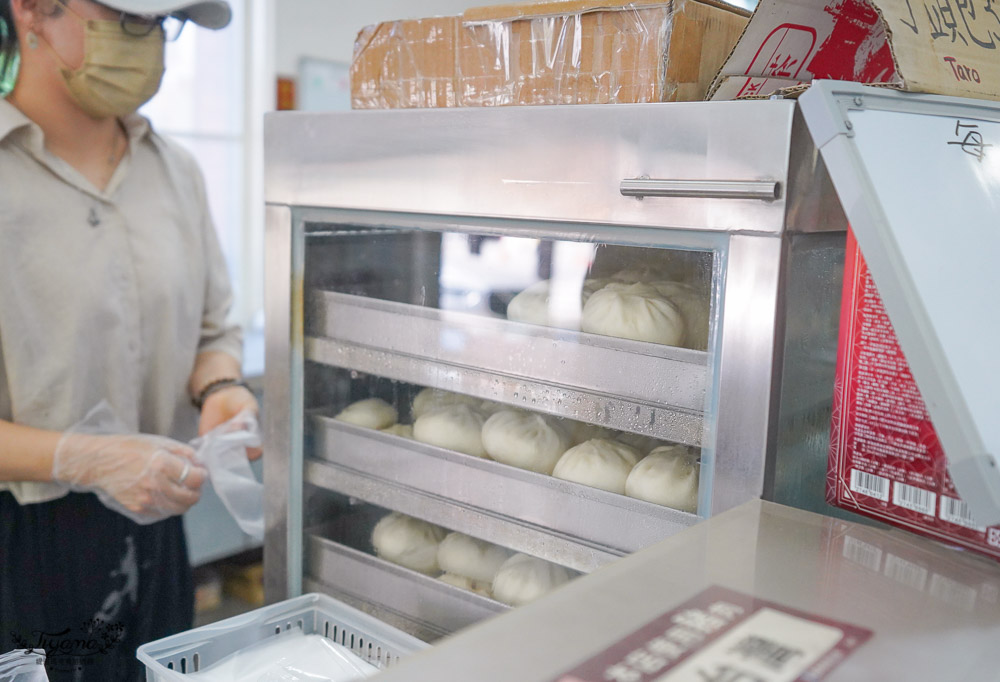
(548, 506)
(664, 374)
(744, 370)
(811, 294)
(537, 163)
(565, 373)
(813, 205)
(279, 514)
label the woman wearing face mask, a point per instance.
(114, 293)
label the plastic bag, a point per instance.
(290, 656)
(23, 665)
(223, 452)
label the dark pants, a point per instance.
(89, 586)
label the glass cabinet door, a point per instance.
(544, 397)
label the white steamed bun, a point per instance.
(695, 307)
(534, 304)
(531, 305)
(599, 463)
(408, 542)
(667, 476)
(401, 430)
(522, 579)
(470, 557)
(430, 398)
(580, 432)
(643, 444)
(373, 413)
(455, 427)
(633, 311)
(525, 440)
(468, 584)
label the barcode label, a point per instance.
(958, 512)
(870, 484)
(862, 553)
(914, 499)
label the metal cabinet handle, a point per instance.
(765, 190)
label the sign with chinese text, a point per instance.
(722, 635)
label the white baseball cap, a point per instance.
(213, 14)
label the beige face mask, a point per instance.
(119, 73)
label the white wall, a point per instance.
(327, 28)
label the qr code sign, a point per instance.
(770, 646)
(728, 637)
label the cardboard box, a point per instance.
(546, 53)
(948, 47)
(405, 64)
(886, 461)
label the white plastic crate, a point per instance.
(170, 658)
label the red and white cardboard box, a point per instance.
(886, 461)
(948, 47)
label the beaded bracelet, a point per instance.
(213, 387)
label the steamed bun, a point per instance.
(591, 286)
(531, 305)
(695, 307)
(464, 583)
(633, 311)
(408, 542)
(490, 407)
(470, 557)
(668, 476)
(639, 273)
(598, 463)
(580, 432)
(373, 413)
(522, 579)
(430, 398)
(525, 440)
(401, 430)
(643, 444)
(455, 427)
(534, 304)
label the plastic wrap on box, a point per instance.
(546, 53)
(592, 57)
(405, 64)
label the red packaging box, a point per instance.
(886, 461)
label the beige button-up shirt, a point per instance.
(104, 295)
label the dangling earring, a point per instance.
(31, 39)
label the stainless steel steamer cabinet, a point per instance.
(373, 290)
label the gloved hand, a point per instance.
(223, 406)
(146, 478)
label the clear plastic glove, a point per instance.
(145, 478)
